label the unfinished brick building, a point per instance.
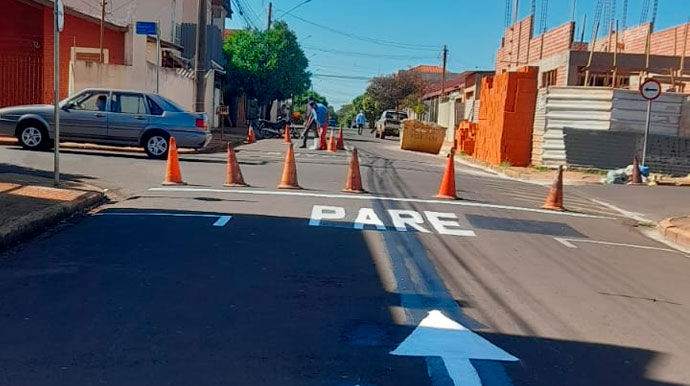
(563, 61)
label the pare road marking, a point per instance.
(401, 220)
(378, 198)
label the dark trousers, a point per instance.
(305, 133)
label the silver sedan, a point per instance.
(109, 117)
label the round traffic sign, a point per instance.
(650, 89)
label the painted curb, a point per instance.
(34, 222)
(673, 233)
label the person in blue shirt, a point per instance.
(311, 123)
(360, 120)
(322, 112)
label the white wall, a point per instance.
(175, 84)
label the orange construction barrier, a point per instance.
(331, 143)
(340, 144)
(289, 178)
(353, 183)
(250, 136)
(233, 172)
(554, 201)
(447, 188)
(173, 175)
(287, 134)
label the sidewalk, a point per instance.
(29, 203)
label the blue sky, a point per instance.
(388, 35)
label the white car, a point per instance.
(390, 123)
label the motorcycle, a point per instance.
(269, 129)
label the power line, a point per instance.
(245, 17)
(388, 43)
(341, 76)
(367, 55)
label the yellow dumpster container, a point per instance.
(419, 136)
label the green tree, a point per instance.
(266, 65)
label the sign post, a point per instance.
(59, 23)
(152, 28)
(650, 90)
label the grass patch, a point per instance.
(504, 165)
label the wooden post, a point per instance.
(591, 53)
(615, 58)
(102, 22)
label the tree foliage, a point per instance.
(398, 91)
(266, 65)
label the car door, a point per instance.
(85, 117)
(128, 117)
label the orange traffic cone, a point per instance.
(173, 175)
(554, 201)
(289, 178)
(447, 188)
(331, 143)
(287, 134)
(322, 140)
(636, 176)
(233, 172)
(353, 183)
(250, 136)
(340, 145)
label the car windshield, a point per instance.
(396, 115)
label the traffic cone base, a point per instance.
(289, 178)
(233, 173)
(447, 189)
(331, 144)
(251, 138)
(173, 175)
(554, 200)
(353, 183)
(340, 144)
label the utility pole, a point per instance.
(200, 62)
(516, 8)
(102, 22)
(269, 15)
(572, 10)
(443, 75)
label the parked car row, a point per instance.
(109, 117)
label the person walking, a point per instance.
(311, 123)
(360, 120)
(322, 114)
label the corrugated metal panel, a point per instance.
(573, 108)
(630, 113)
(539, 128)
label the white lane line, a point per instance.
(222, 220)
(569, 243)
(378, 198)
(565, 242)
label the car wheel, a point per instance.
(33, 137)
(376, 134)
(156, 145)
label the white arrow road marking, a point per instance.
(569, 243)
(221, 221)
(439, 336)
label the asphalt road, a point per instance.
(161, 287)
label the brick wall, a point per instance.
(667, 42)
(521, 49)
(506, 116)
(79, 32)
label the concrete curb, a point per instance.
(34, 222)
(675, 233)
